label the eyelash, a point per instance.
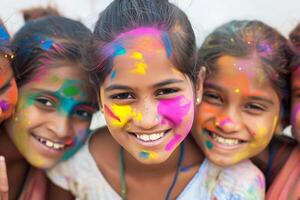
(212, 97)
(254, 107)
(44, 102)
(166, 91)
(120, 96)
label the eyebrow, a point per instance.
(6, 84)
(257, 98)
(160, 84)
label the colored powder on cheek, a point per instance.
(262, 130)
(76, 143)
(123, 112)
(71, 91)
(209, 145)
(110, 113)
(175, 140)
(113, 75)
(167, 43)
(4, 105)
(224, 122)
(173, 110)
(148, 154)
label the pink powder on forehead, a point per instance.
(140, 32)
(174, 110)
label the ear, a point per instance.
(199, 84)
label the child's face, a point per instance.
(52, 116)
(238, 113)
(148, 104)
(8, 90)
(295, 116)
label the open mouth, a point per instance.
(51, 144)
(222, 140)
(150, 137)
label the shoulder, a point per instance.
(242, 181)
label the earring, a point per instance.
(198, 101)
(101, 110)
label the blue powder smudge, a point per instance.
(144, 154)
(167, 43)
(118, 49)
(113, 75)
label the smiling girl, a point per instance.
(243, 97)
(55, 103)
(143, 61)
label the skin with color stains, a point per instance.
(56, 109)
(147, 96)
(233, 126)
(8, 90)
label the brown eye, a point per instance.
(125, 95)
(166, 91)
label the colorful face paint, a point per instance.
(233, 126)
(148, 105)
(8, 90)
(52, 116)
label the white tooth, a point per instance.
(145, 137)
(56, 146)
(152, 137)
(138, 136)
(161, 134)
(49, 144)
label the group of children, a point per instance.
(182, 123)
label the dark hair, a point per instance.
(245, 39)
(125, 15)
(294, 37)
(46, 39)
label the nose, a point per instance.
(61, 127)
(147, 116)
(228, 122)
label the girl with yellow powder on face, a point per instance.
(54, 107)
(143, 57)
(243, 97)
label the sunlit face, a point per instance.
(8, 90)
(295, 97)
(148, 104)
(52, 116)
(238, 113)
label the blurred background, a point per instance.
(204, 15)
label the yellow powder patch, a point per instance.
(150, 154)
(137, 55)
(124, 113)
(262, 130)
(140, 68)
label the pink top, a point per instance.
(287, 183)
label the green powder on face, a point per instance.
(209, 144)
(71, 91)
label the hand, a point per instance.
(3, 180)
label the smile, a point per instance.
(222, 140)
(150, 137)
(50, 144)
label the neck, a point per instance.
(133, 166)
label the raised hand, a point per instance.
(3, 180)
